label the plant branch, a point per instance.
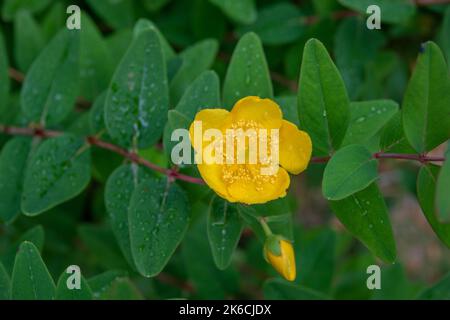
(20, 77)
(173, 173)
(94, 141)
(423, 158)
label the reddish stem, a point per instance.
(417, 157)
(92, 140)
(173, 173)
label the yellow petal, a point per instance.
(210, 119)
(284, 263)
(212, 175)
(254, 109)
(295, 148)
(254, 191)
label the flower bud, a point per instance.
(280, 254)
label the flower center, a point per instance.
(253, 141)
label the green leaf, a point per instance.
(426, 191)
(118, 44)
(365, 215)
(203, 93)
(154, 5)
(426, 105)
(97, 114)
(4, 76)
(143, 24)
(195, 59)
(207, 20)
(121, 289)
(118, 191)
(323, 105)
(367, 119)
(95, 60)
(277, 24)
(242, 11)
(248, 73)
(445, 36)
(117, 14)
(13, 161)
(137, 100)
(5, 284)
(395, 284)
(442, 189)
(392, 138)
(54, 20)
(392, 11)
(159, 217)
(36, 235)
(356, 47)
(28, 40)
(278, 289)
(51, 85)
(224, 228)
(64, 293)
(11, 7)
(350, 170)
(101, 246)
(315, 258)
(288, 105)
(439, 291)
(30, 278)
(58, 171)
(209, 282)
(100, 283)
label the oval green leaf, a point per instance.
(95, 60)
(30, 278)
(426, 193)
(5, 284)
(350, 170)
(12, 7)
(248, 73)
(278, 24)
(442, 191)
(4, 75)
(117, 14)
(58, 171)
(426, 105)
(323, 105)
(159, 218)
(392, 11)
(194, 60)
(28, 40)
(392, 137)
(64, 293)
(51, 85)
(13, 161)
(203, 93)
(118, 191)
(137, 100)
(242, 11)
(365, 215)
(367, 119)
(224, 226)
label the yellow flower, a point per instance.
(243, 182)
(280, 254)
